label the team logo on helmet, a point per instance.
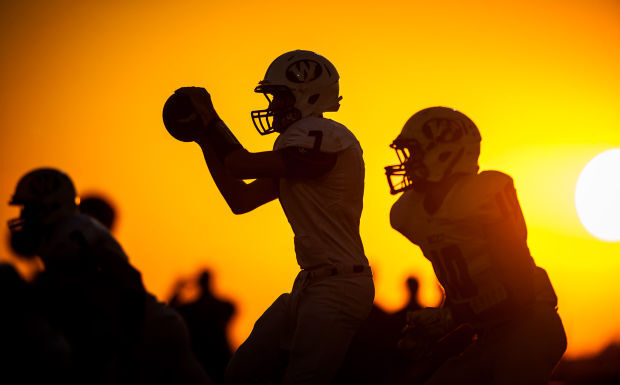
(303, 71)
(443, 130)
(44, 185)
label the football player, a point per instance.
(118, 332)
(469, 225)
(316, 171)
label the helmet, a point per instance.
(45, 186)
(302, 84)
(45, 194)
(435, 142)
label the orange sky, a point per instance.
(83, 84)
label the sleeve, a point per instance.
(307, 164)
(310, 146)
(500, 203)
(506, 236)
(317, 134)
(490, 198)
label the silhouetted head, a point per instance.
(204, 280)
(297, 84)
(98, 208)
(435, 143)
(412, 285)
(45, 195)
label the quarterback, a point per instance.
(316, 170)
(469, 225)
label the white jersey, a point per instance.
(476, 241)
(324, 212)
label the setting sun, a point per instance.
(597, 196)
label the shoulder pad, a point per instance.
(314, 133)
(485, 183)
(493, 181)
(90, 230)
(79, 231)
(478, 192)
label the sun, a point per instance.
(597, 196)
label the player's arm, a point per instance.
(216, 138)
(229, 162)
(241, 197)
(266, 167)
(289, 162)
(217, 142)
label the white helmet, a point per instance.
(309, 77)
(435, 142)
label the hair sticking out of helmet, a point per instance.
(309, 78)
(434, 143)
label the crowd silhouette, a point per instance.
(60, 328)
(207, 319)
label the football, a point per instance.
(180, 118)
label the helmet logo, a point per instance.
(44, 185)
(303, 71)
(443, 130)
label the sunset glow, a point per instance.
(84, 83)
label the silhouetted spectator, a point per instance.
(99, 208)
(118, 332)
(207, 319)
(399, 317)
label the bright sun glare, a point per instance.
(597, 196)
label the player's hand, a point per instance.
(201, 100)
(433, 321)
(424, 328)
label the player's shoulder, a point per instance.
(77, 231)
(316, 133)
(77, 225)
(484, 183)
(477, 191)
(404, 209)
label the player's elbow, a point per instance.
(237, 210)
(236, 164)
(238, 205)
(235, 171)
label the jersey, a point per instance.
(476, 241)
(81, 255)
(324, 212)
(72, 236)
